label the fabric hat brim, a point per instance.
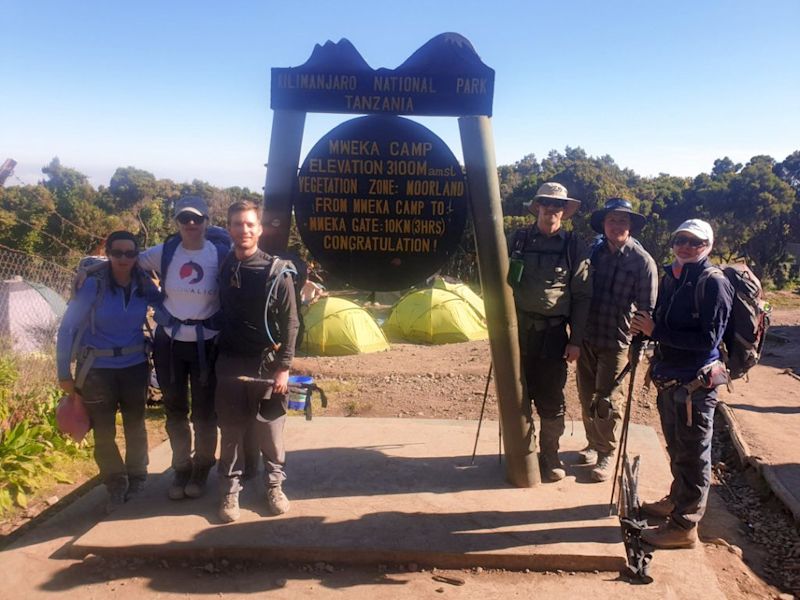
(190, 209)
(569, 210)
(598, 216)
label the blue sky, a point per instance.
(181, 89)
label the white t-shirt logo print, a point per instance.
(192, 271)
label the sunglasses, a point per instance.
(186, 217)
(125, 253)
(551, 203)
(682, 240)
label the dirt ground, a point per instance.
(449, 382)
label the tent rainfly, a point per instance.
(337, 327)
(435, 316)
(463, 290)
(29, 314)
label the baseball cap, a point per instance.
(193, 204)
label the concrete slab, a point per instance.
(389, 491)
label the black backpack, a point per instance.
(743, 340)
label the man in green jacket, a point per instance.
(552, 292)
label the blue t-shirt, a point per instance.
(117, 324)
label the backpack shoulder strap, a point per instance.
(520, 239)
(571, 250)
(700, 286)
(167, 252)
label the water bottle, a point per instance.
(299, 391)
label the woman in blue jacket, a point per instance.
(102, 330)
(693, 307)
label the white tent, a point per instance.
(29, 314)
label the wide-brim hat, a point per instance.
(618, 205)
(556, 191)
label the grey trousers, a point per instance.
(237, 404)
(602, 402)
(105, 391)
(689, 448)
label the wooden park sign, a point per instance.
(381, 201)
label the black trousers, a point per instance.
(543, 366)
(178, 366)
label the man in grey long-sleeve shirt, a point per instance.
(552, 290)
(252, 350)
(625, 281)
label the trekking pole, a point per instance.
(637, 346)
(480, 419)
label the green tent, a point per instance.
(463, 290)
(337, 327)
(435, 316)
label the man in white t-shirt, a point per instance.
(188, 270)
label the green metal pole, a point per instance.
(284, 158)
(522, 466)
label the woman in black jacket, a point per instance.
(692, 311)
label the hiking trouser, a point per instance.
(544, 368)
(237, 403)
(689, 448)
(601, 400)
(104, 391)
(177, 367)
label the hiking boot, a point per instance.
(197, 481)
(587, 456)
(551, 467)
(117, 492)
(660, 509)
(135, 486)
(229, 508)
(277, 502)
(604, 467)
(177, 488)
(670, 536)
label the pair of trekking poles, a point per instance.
(626, 472)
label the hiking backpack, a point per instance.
(743, 340)
(298, 271)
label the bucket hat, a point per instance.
(618, 205)
(555, 191)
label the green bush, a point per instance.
(31, 446)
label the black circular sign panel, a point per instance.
(381, 202)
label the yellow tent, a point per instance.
(435, 316)
(463, 290)
(336, 327)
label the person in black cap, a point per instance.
(625, 280)
(549, 273)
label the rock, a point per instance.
(734, 549)
(329, 568)
(281, 582)
(52, 501)
(478, 570)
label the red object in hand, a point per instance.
(71, 417)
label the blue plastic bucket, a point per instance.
(299, 391)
